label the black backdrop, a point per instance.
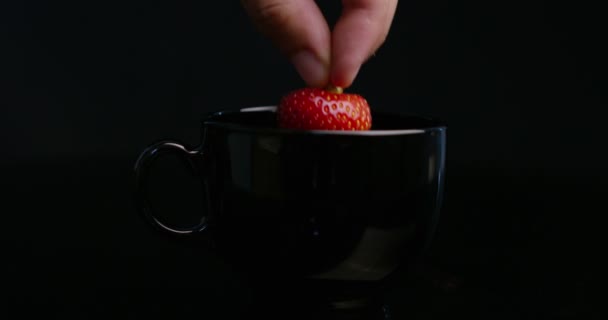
(86, 85)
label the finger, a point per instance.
(299, 30)
(359, 32)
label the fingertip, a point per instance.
(343, 75)
(313, 70)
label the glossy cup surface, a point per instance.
(321, 204)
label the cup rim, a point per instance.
(210, 121)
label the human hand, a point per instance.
(321, 56)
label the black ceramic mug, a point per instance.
(335, 209)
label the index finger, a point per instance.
(358, 33)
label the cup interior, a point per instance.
(265, 118)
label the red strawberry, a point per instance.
(323, 109)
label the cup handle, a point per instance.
(142, 173)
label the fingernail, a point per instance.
(310, 68)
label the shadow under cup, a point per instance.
(329, 206)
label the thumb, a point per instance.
(299, 30)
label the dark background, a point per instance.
(86, 85)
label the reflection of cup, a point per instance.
(330, 209)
